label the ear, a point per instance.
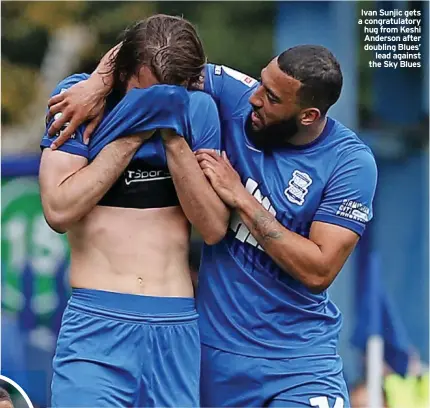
(309, 116)
(147, 77)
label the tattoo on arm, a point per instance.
(265, 225)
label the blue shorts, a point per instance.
(120, 350)
(232, 380)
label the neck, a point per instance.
(307, 134)
(132, 83)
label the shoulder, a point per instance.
(201, 102)
(350, 148)
(200, 98)
(236, 75)
(205, 123)
(230, 88)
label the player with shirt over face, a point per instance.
(301, 186)
(129, 335)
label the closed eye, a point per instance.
(271, 99)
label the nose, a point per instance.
(255, 99)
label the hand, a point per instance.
(224, 178)
(84, 101)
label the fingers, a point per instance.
(207, 157)
(57, 108)
(227, 161)
(206, 164)
(56, 99)
(60, 120)
(225, 158)
(210, 174)
(210, 152)
(65, 134)
(91, 127)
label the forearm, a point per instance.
(298, 256)
(200, 203)
(78, 194)
(103, 74)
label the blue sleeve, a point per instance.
(75, 145)
(204, 122)
(348, 197)
(156, 107)
(230, 89)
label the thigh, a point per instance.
(96, 362)
(173, 378)
(229, 380)
(313, 382)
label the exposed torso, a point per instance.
(136, 239)
(138, 251)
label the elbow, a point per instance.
(57, 221)
(319, 282)
(215, 234)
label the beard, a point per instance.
(273, 136)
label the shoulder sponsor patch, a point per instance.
(354, 210)
(245, 79)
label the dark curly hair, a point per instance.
(318, 71)
(168, 45)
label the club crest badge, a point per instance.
(298, 187)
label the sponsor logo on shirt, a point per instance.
(353, 210)
(298, 187)
(142, 176)
(245, 79)
(236, 224)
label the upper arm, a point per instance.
(55, 167)
(348, 198)
(345, 209)
(75, 145)
(336, 243)
(230, 89)
(206, 128)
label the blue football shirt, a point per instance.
(247, 304)
(146, 182)
(192, 114)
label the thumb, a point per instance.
(91, 127)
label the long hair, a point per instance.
(168, 45)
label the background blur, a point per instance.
(43, 42)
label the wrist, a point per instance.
(241, 198)
(100, 84)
